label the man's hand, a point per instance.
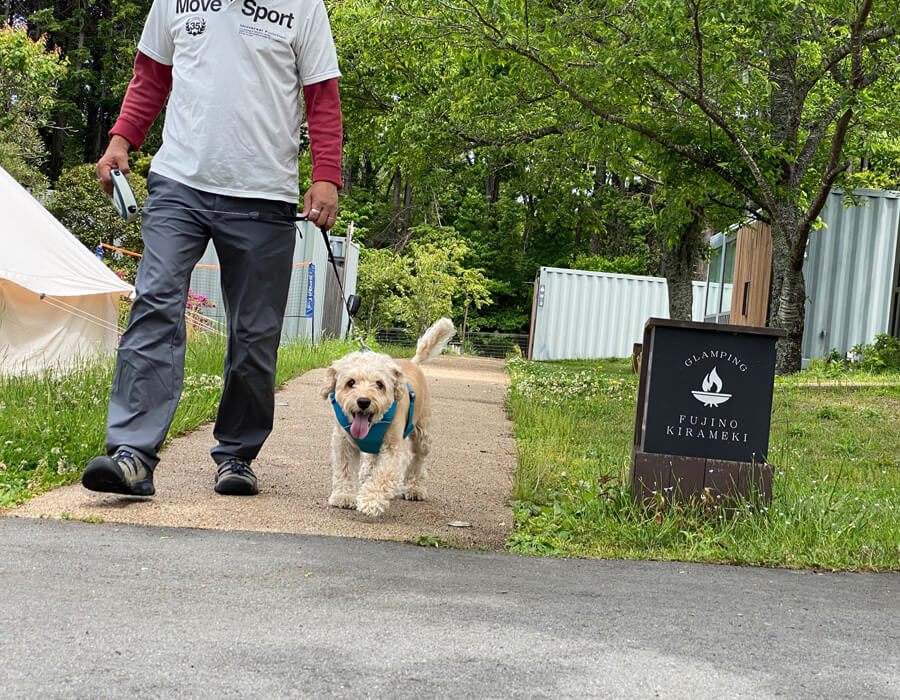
(116, 157)
(320, 204)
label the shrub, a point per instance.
(84, 209)
(881, 356)
(636, 264)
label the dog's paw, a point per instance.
(372, 505)
(342, 500)
(415, 493)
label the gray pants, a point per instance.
(255, 259)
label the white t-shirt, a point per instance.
(238, 66)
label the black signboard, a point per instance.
(706, 390)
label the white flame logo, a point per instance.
(715, 397)
(712, 380)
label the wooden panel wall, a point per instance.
(752, 276)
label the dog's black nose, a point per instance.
(363, 402)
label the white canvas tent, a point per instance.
(58, 302)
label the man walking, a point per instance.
(233, 72)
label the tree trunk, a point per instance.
(579, 230)
(790, 317)
(492, 187)
(407, 210)
(395, 190)
(56, 144)
(347, 176)
(788, 290)
(600, 177)
(369, 318)
(397, 182)
(681, 292)
(680, 263)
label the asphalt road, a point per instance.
(96, 611)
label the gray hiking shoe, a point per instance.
(235, 478)
(123, 472)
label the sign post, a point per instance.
(703, 411)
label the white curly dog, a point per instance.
(378, 441)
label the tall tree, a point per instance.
(480, 152)
(29, 73)
(760, 95)
(99, 39)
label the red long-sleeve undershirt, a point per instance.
(152, 81)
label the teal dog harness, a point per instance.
(371, 443)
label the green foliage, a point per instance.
(433, 541)
(429, 284)
(420, 285)
(377, 287)
(29, 74)
(99, 39)
(880, 357)
(140, 164)
(458, 129)
(624, 264)
(83, 208)
(707, 110)
(20, 150)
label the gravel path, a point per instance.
(472, 465)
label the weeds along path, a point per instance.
(472, 466)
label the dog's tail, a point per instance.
(434, 340)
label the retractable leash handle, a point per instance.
(123, 197)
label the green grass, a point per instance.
(822, 374)
(836, 495)
(51, 425)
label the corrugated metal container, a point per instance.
(850, 271)
(580, 314)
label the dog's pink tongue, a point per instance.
(360, 427)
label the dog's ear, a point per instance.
(329, 384)
(399, 384)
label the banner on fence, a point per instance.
(310, 291)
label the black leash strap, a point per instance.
(274, 218)
(351, 303)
